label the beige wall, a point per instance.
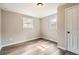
(12, 28)
(47, 32)
(61, 24)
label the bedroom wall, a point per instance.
(12, 28)
(46, 31)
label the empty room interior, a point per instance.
(39, 28)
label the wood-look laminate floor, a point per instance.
(35, 47)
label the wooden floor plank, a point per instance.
(35, 47)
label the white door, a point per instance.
(72, 28)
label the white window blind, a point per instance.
(53, 23)
(27, 23)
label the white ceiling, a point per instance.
(31, 9)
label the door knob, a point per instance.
(68, 32)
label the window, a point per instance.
(53, 24)
(53, 21)
(27, 23)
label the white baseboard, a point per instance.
(17, 42)
(49, 39)
(61, 47)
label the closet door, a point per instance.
(0, 29)
(72, 28)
